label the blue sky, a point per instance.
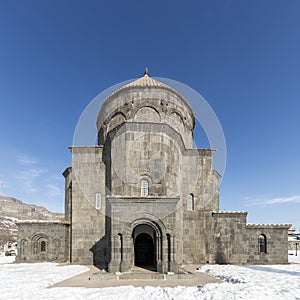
(241, 56)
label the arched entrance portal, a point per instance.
(144, 238)
(144, 250)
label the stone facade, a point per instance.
(144, 196)
(43, 241)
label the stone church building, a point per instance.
(145, 196)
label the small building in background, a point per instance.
(10, 248)
(294, 240)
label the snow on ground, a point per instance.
(254, 282)
(29, 281)
(6, 259)
(293, 258)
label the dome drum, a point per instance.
(157, 104)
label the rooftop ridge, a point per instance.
(269, 225)
(42, 221)
(230, 212)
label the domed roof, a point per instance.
(146, 81)
(125, 103)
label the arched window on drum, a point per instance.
(144, 188)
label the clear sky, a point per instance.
(241, 56)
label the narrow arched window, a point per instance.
(43, 246)
(190, 202)
(98, 201)
(262, 243)
(169, 249)
(144, 188)
(121, 244)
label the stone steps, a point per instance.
(142, 274)
(138, 277)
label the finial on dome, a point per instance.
(146, 72)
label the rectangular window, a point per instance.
(190, 202)
(98, 201)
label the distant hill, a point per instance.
(13, 210)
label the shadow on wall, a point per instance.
(220, 256)
(101, 253)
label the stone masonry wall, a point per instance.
(225, 238)
(32, 235)
(237, 243)
(277, 243)
(88, 219)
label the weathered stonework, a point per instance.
(144, 196)
(43, 241)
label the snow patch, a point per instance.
(30, 281)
